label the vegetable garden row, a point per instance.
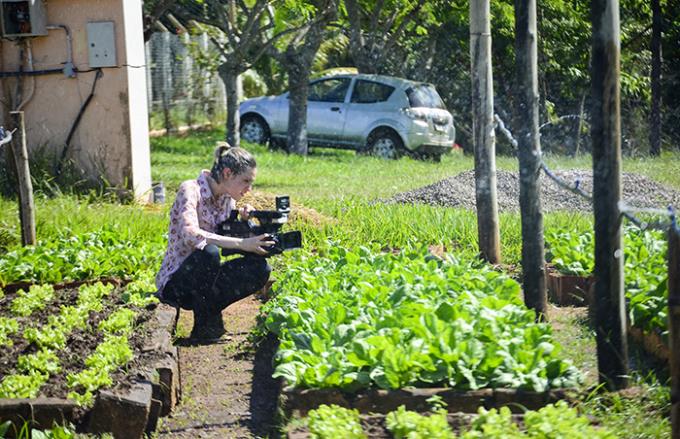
(347, 319)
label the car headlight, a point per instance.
(415, 113)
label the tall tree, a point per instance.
(375, 28)
(242, 32)
(296, 57)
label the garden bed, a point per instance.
(54, 365)
(298, 402)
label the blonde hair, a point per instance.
(236, 159)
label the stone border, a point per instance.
(568, 289)
(297, 402)
(651, 342)
(128, 411)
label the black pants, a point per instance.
(203, 282)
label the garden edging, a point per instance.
(126, 410)
(297, 402)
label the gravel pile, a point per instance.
(459, 191)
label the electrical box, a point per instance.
(101, 44)
(23, 18)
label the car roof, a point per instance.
(390, 80)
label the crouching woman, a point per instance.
(192, 275)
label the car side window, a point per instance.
(369, 92)
(329, 90)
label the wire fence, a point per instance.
(183, 87)
(666, 217)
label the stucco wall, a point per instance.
(112, 137)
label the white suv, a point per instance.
(376, 114)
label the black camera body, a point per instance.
(269, 222)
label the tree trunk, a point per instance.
(483, 132)
(297, 116)
(533, 251)
(610, 316)
(655, 115)
(229, 75)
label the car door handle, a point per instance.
(335, 109)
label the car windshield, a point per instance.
(424, 95)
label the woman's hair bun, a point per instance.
(220, 149)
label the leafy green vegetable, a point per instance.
(552, 421)
(571, 252)
(645, 271)
(78, 257)
(120, 322)
(358, 319)
(8, 326)
(22, 386)
(37, 297)
(111, 354)
(411, 425)
(333, 422)
(44, 361)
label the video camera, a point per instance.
(269, 222)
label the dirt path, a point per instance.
(227, 389)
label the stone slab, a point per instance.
(123, 413)
(40, 412)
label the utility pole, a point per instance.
(533, 248)
(610, 307)
(483, 132)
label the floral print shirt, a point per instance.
(193, 218)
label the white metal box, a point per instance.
(101, 44)
(22, 18)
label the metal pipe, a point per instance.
(69, 50)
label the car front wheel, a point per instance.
(254, 129)
(385, 144)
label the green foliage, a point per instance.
(44, 361)
(37, 297)
(111, 354)
(332, 422)
(8, 326)
(120, 322)
(571, 252)
(88, 256)
(140, 292)
(645, 268)
(22, 385)
(353, 319)
(412, 425)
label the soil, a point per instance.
(459, 191)
(79, 344)
(227, 388)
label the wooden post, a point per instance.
(533, 251)
(483, 132)
(655, 113)
(674, 325)
(610, 316)
(26, 206)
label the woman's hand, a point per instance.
(257, 244)
(244, 212)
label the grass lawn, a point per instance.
(344, 186)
